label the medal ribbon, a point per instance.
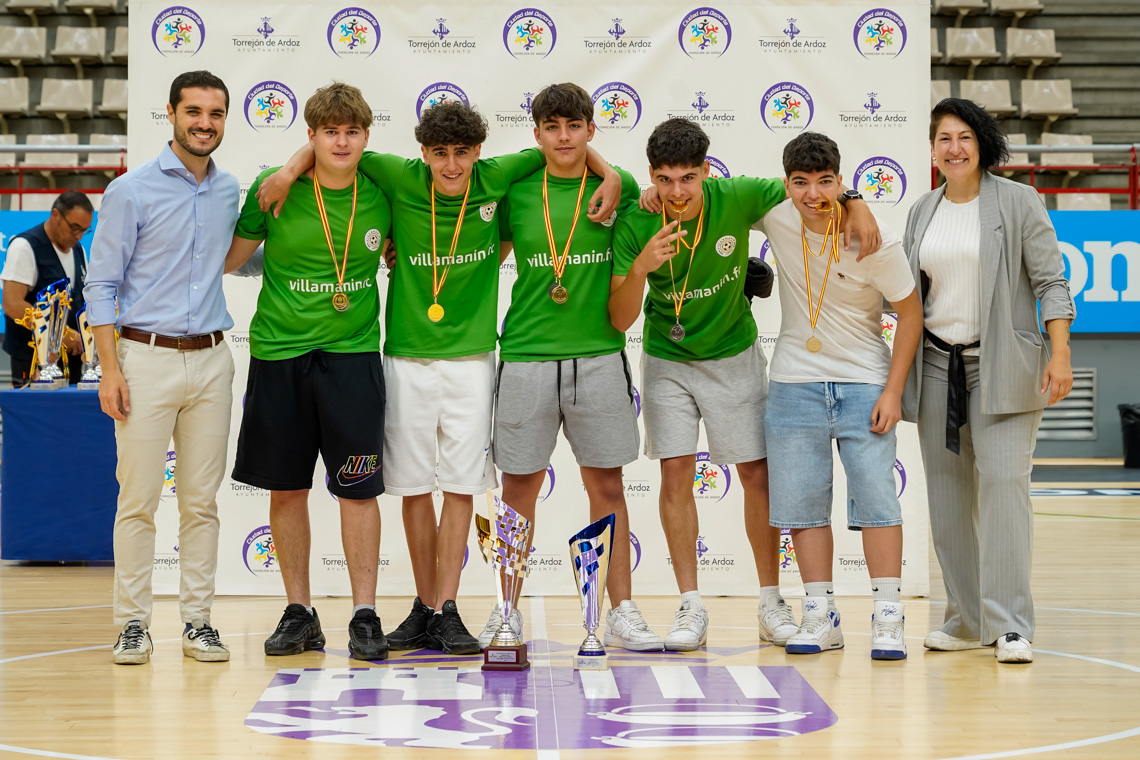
(679, 300)
(558, 262)
(436, 281)
(833, 222)
(342, 268)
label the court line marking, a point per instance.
(538, 632)
(57, 609)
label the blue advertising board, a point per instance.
(1102, 261)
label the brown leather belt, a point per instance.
(183, 343)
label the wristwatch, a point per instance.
(850, 195)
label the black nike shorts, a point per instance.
(321, 402)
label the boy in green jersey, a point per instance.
(439, 363)
(563, 363)
(702, 359)
(315, 377)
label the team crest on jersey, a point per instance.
(726, 245)
(373, 239)
(610, 222)
(488, 211)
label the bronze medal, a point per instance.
(435, 312)
(677, 333)
(558, 293)
(340, 301)
(814, 345)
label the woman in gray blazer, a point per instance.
(986, 257)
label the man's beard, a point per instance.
(182, 137)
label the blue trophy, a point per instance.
(590, 552)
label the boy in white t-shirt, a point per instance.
(833, 377)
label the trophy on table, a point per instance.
(48, 322)
(506, 547)
(92, 371)
(590, 555)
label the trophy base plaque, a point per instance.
(505, 657)
(85, 385)
(591, 661)
(43, 385)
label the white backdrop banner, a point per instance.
(752, 74)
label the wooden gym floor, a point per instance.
(61, 697)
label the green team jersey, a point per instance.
(538, 329)
(470, 294)
(715, 314)
(295, 314)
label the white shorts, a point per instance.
(437, 425)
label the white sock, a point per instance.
(821, 588)
(360, 607)
(309, 609)
(886, 589)
(692, 596)
(767, 592)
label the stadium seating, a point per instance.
(80, 45)
(53, 159)
(959, 8)
(119, 52)
(1018, 9)
(1084, 202)
(32, 7)
(1031, 47)
(991, 94)
(7, 159)
(1061, 159)
(65, 98)
(1049, 99)
(935, 53)
(939, 90)
(14, 97)
(20, 44)
(971, 47)
(114, 98)
(1018, 159)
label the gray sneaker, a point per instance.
(134, 645)
(201, 641)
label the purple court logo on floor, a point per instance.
(259, 553)
(787, 106)
(543, 708)
(718, 169)
(178, 31)
(881, 180)
(438, 94)
(704, 32)
(711, 481)
(529, 33)
(617, 107)
(354, 33)
(270, 107)
(880, 33)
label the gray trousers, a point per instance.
(980, 515)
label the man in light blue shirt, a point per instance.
(159, 250)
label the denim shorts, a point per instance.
(801, 421)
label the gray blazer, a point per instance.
(1021, 265)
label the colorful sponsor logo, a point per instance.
(787, 105)
(358, 469)
(880, 32)
(353, 33)
(617, 107)
(787, 551)
(634, 551)
(178, 31)
(666, 706)
(169, 486)
(270, 106)
(711, 481)
(881, 180)
(717, 168)
(529, 33)
(704, 32)
(440, 93)
(259, 553)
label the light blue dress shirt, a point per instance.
(160, 247)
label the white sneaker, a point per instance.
(941, 641)
(690, 628)
(626, 628)
(887, 631)
(1013, 647)
(202, 643)
(777, 622)
(819, 630)
(495, 621)
(134, 645)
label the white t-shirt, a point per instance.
(20, 264)
(850, 321)
(950, 256)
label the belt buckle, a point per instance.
(178, 342)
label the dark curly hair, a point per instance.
(993, 145)
(677, 142)
(451, 123)
(811, 152)
(567, 100)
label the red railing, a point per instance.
(20, 191)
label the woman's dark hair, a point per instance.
(993, 146)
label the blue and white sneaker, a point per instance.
(887, 631)
(819, 629)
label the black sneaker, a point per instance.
(365, 638)
(412, 633)
(297, 631)
(447, 633)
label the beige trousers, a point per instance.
(184, 395)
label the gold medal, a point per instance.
(558, 293)
(435, 312)
(339, 299)
(558, 261)
(814, 345)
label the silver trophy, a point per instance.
(92, 370)
(48, 321)
(507, 545)
(590, 552)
